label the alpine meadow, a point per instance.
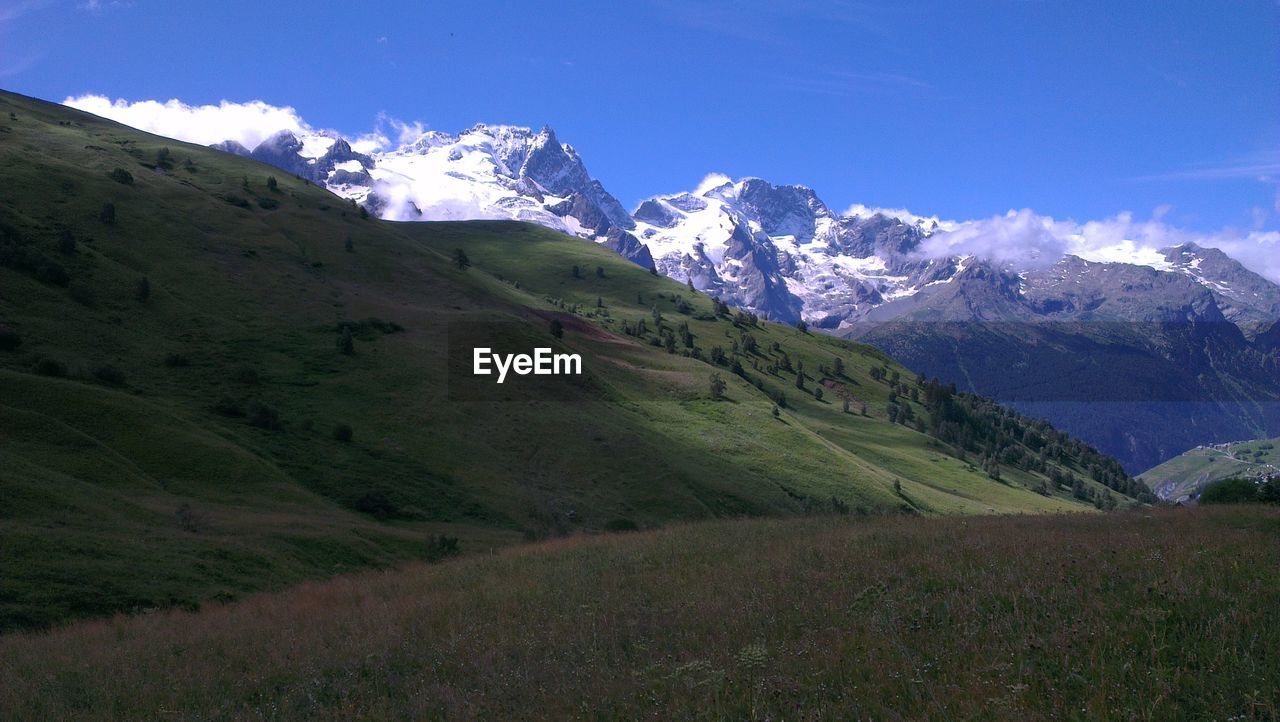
(248, 471)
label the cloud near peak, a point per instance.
(1024, 239)
(1020, 238)
(249, 123)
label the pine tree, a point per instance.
(460, 259)
(718, 385)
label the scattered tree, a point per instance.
(718, 385)
(460, 260)
(66, 242)
(272, 185)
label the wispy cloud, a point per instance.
(756, 22)
(1263, 166)
(849, 83)
(13, 11)
(97, 6)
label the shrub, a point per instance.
(66, 242)
(236, 200)
(441, 547)
(50, 367)
(346, 344)
(142, 291)
(188, 518)
(81, 294)
(557, 328)
(108, 374)
(176, 360)
(620, 525)
(9, 339)
(108, 213)
(228, 406)
(120, 175)
(263, 416)
(268, 204)
(343, 433)
(247, 375)
(52, 272)
(376, 504)
(1230, 491)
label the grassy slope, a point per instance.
(1165, 615)
(94, 475)
(1191, 471)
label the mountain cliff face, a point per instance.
(1143, 359)
(494, 172)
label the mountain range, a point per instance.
(217, 378)
(1144, 358)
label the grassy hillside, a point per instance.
(1185, 475)
(181, 420)
(1166, 615)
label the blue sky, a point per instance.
(963, 109)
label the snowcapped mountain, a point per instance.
(778, 250)
(781, 251)
(487, 171)
(1143, 353)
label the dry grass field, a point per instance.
(1156, 615)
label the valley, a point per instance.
(1143, 352)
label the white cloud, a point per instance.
(1025, 239)
(711, 180)
(249, 123)
(1020, 238)
(94, 6)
